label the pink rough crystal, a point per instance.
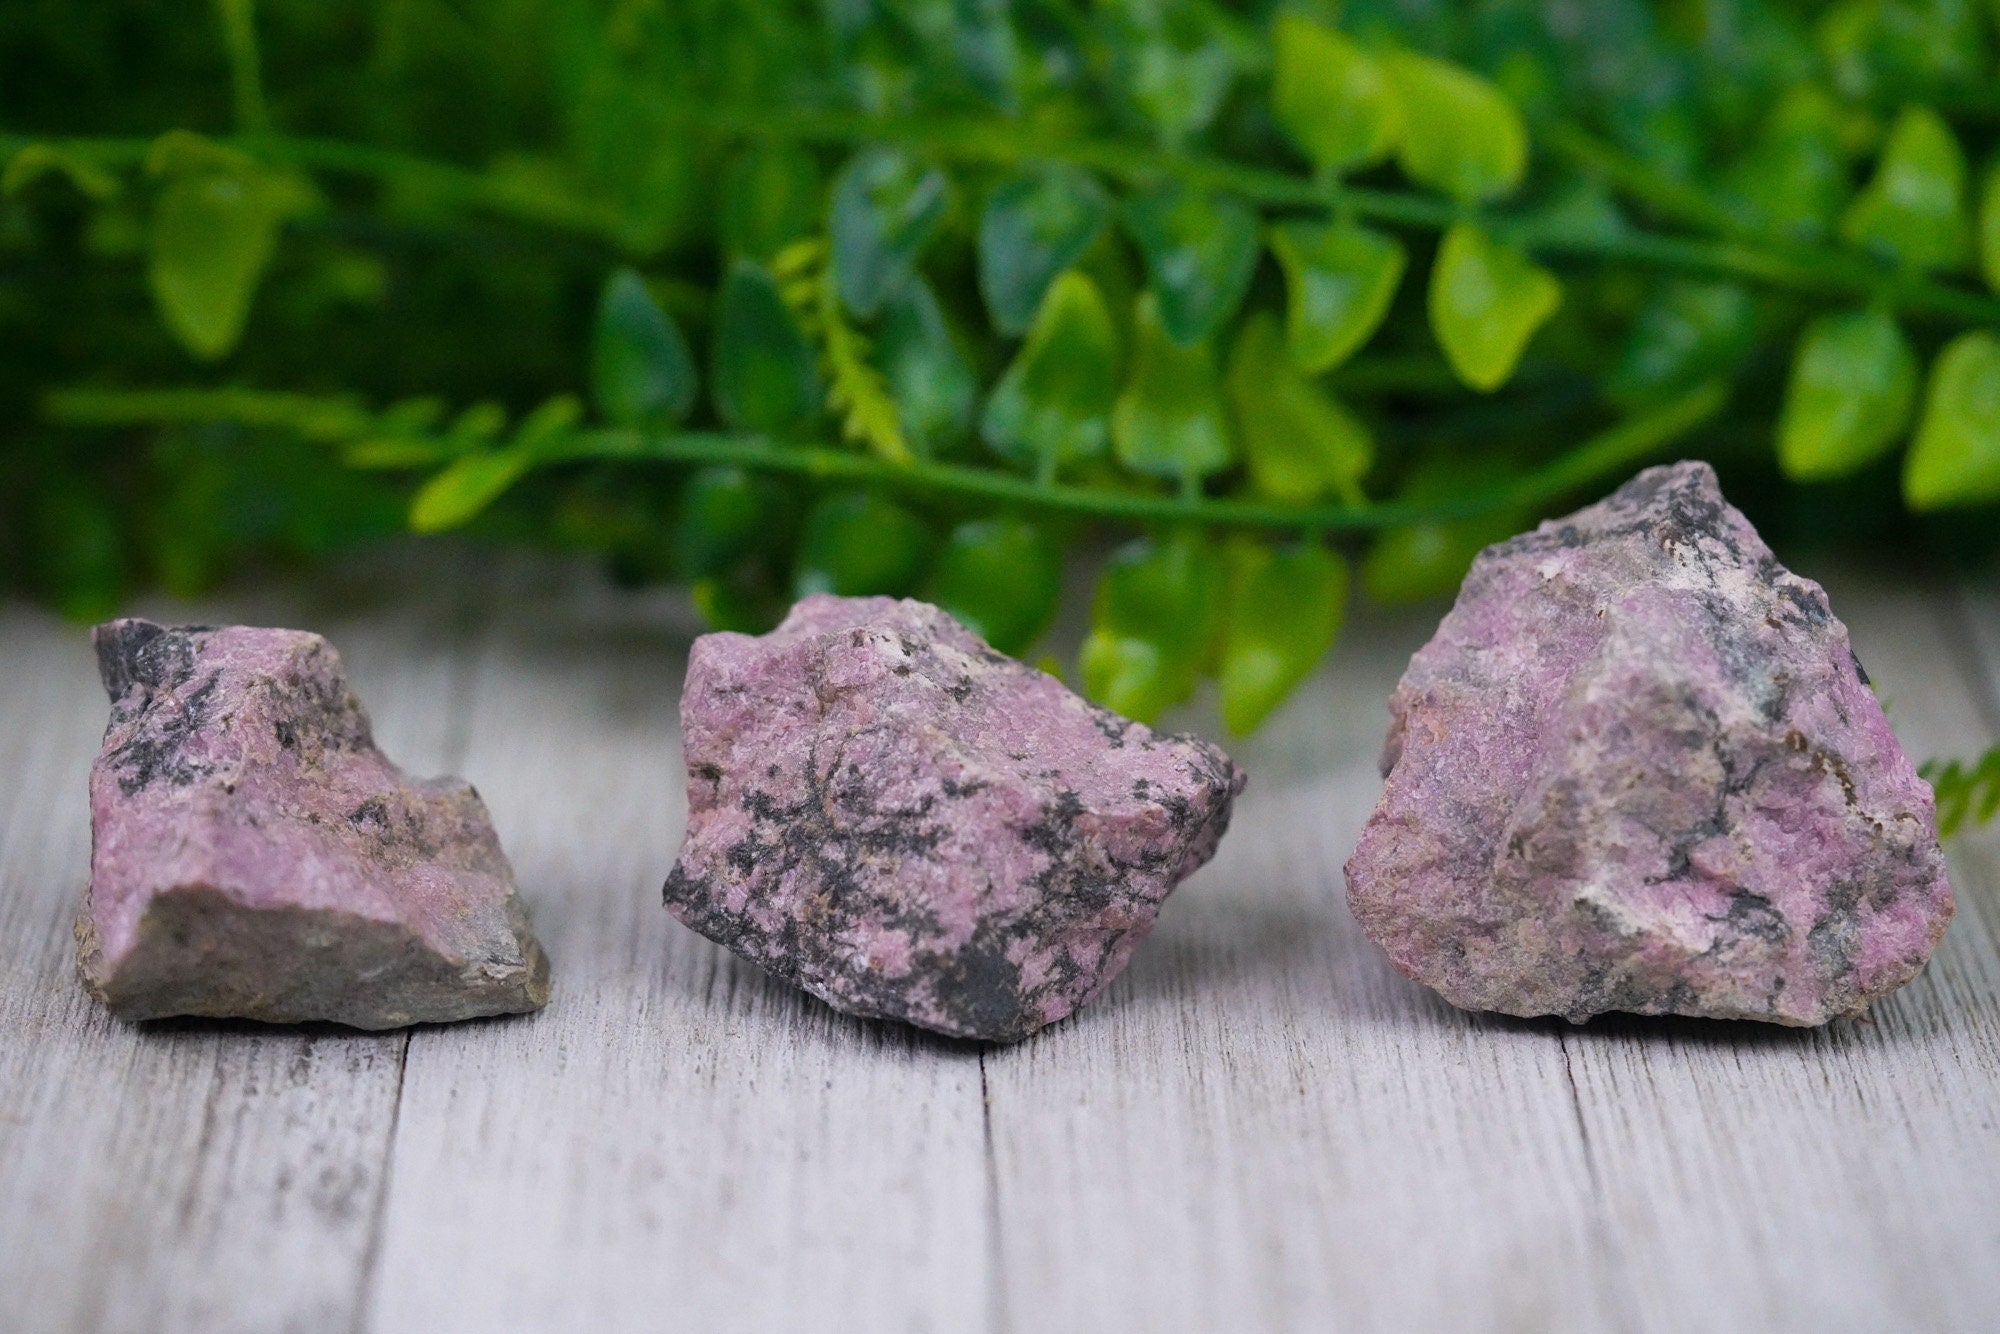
(1639, 768)
(907, 824)
(255, 856)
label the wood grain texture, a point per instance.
(1840, 1178)
(182, 1175)
(677, 1141)
(1260, 1126)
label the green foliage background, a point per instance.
(918, 296)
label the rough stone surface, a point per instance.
(255, 856)
(1639, 768)
(907, 824)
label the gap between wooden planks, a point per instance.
(1260, 1126)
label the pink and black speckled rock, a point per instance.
(888, 813)
(1639, 768)
(255, 856)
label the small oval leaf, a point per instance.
(1792, 179)
(211, 237)
(641, 372)
(1002, 579)
(1340, 279)
(725, 515)
(1688, 331)
(1329, 96)
(1913, 211)
(1955, 459)
(884, 207)
(770, 198)
(1037, 224)
(1854, 379)
(765, 374)
(1169, 420)
(1053, 405)
(1200, 251)
(1301, 444)
(926, 370)
(858, 544)
(1152, 624)
(1461, 134)
(1285, 609)
(1486, 301)
(457, 495)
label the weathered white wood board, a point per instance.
(1261, 1126)
(187, 1174)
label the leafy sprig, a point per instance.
(974, 284)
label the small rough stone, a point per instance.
(1639, 768)
(907, 824)
(255, 856)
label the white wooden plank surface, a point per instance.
(1263, 1126)
(189, 1174)
(677, 1141)
(1839, 1178)
(1260, 1127)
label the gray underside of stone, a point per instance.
(200, 953)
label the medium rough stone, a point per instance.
(255, 856)
(907, 824)
(1639, 768)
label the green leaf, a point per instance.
(1854, 379)
(1200, 251)
(1426, 560)
(927, 371)
(35, 161)
(641, 372)
(1989, 228)
(1486, 301)
(1285, 610)
(1037, 224)
(1002, 579)
(747, 600)
(1053, 405)
(1967, 793)
(1913, 211)
(1956, 457)
(1169, 421)
(857, 544)
(1690, 330)
(75, 548)
(770, 198)
(726, 515)
(884, 207)
(1331, 98)
(1461, 134)
(1300, 442)
(211, 238)
(1152, 623)
(1791, 181)
(1341, 279)
(765, 375)
(456, 496)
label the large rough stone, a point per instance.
(907, 824)
(254, 855)
(1640, 769)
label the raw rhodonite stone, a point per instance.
(1639, 768)
(255, 856)
(907, 824)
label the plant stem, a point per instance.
(1812, 269)
(1801, 268)
(246, 73)
(1609, 452)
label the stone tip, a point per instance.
(119, 644)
